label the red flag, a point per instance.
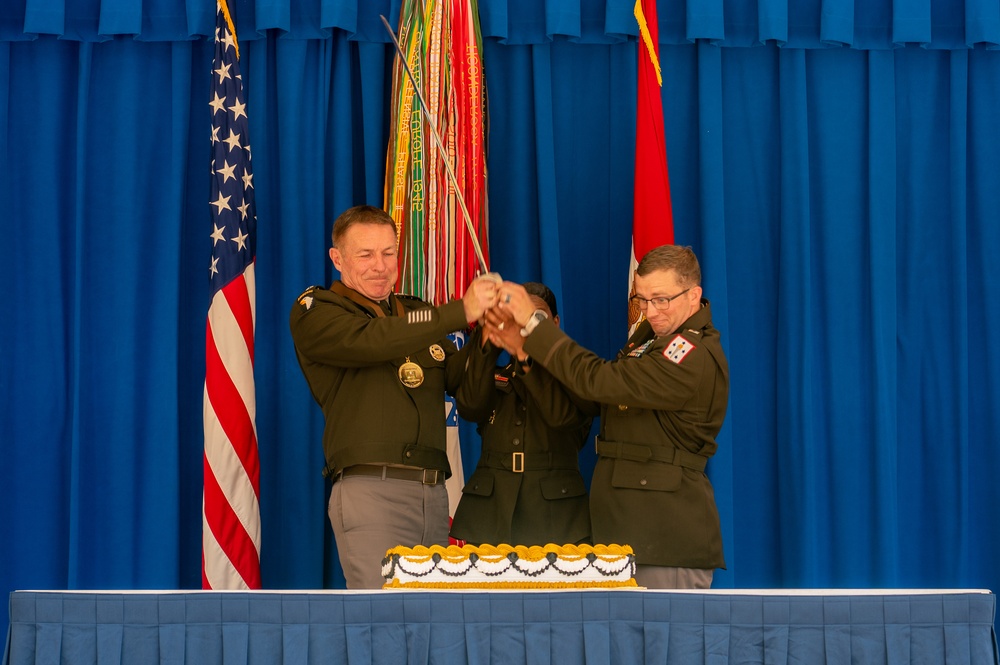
(653, 218)
(231, 513)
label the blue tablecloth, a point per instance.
(504, 627)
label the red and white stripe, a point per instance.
(231, 513)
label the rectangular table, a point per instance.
(599, 626)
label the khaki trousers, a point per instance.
(370, 516)
(666, 577)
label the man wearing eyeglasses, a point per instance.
(663, 401)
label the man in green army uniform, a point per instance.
(527, 488)
(379, 365)
(663, 401)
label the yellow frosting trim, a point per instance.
(491, 553)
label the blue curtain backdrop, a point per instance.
(835, 164)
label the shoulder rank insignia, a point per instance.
(678, 349)
(640, 350)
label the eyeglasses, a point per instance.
(661, 303)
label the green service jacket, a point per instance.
(350, 352)
(526, 488)
(663, 402)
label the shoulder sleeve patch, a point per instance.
(306, 299)
(678, 349)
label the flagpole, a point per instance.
(442, 149)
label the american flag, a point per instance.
(231, 513)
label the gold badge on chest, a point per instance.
(411, 374)
(437, 353)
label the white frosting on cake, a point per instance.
(507, 566)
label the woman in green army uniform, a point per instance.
(526, 488)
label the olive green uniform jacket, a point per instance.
(350, 352)
(663, 402)
(526, 488)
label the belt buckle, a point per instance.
(517, 462)
(423, 476)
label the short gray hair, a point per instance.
(360, 215)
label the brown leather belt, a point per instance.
(425, 476)
(520, 462)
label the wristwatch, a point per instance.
(536, 317)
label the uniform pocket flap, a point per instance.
(480, 484)
(562, 487)
(654, 476)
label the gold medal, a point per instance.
(437, 353)
(411, 374)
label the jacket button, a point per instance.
(623, 407)
(517, 442)
(642, 482)
(409, 454)
(517, 422)
(564, 490)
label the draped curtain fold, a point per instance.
(833, 164)
(813, 24)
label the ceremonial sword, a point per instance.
(444, 154)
